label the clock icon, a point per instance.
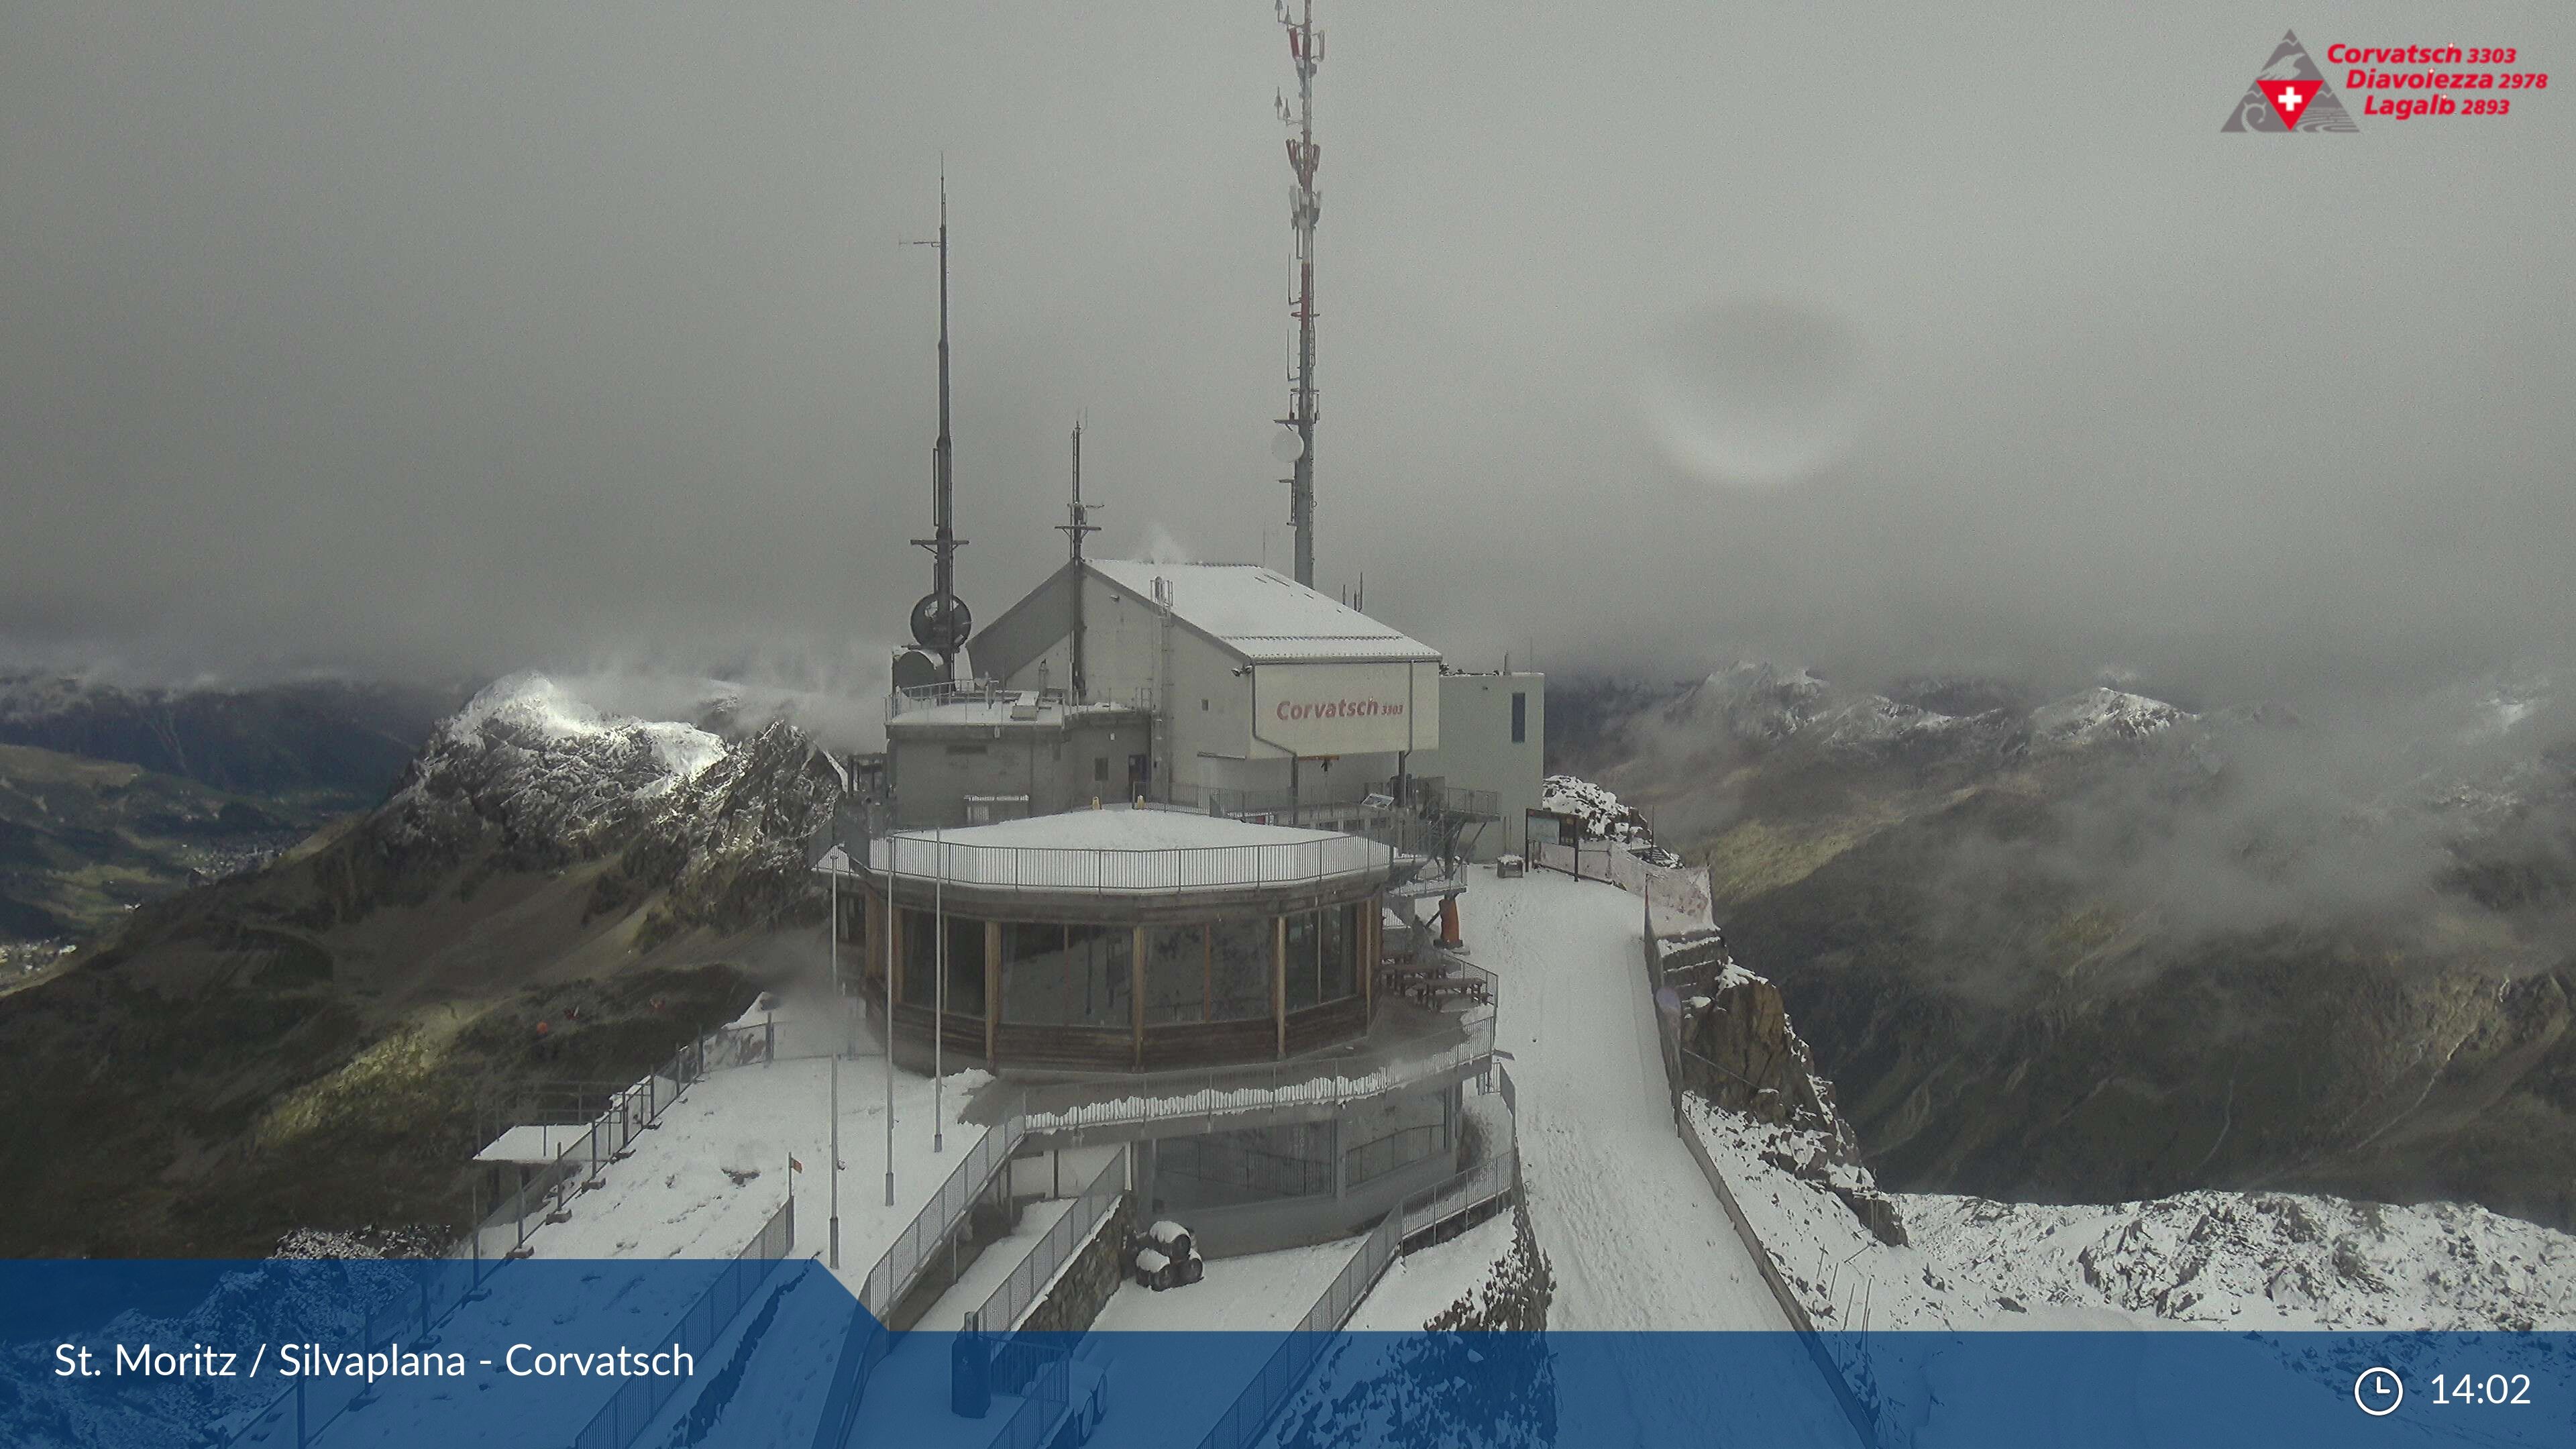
(2378, 1391)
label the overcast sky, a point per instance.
(464, 337)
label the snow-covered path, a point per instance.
(1634, 1234)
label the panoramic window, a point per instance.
(1239, 959)
(920, 942)
(1060, 975)
(1176, 974)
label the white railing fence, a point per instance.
(1496, 1177)
(629, 1411)
(1011, 1301)
(919, 859)
(901, 1266)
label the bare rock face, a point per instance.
(728, 848)
(1739, 1050)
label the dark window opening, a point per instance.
(1520, 718)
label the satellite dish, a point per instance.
(915, 669)
(1286, 446)
(942, 630)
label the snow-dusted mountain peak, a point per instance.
(532, 711)
(2101, 715)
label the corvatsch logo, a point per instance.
(2290, 94)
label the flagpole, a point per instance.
(887, 880)
(939, 991)
(836, 1161)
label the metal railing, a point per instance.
(437, 1287)
(1287, 1366)
(1042, 1375)
(1667, 1035)
(632, 1409)
(503, 1233)
(1012, 1300)
(444, 1284)
(993, 691)
(1683, 892)
(897, 1272)
(900, 1268)
(1162, 1096)
(1497, 1177)
(863, 1347)
(913, 856)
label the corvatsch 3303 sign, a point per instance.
(1346, 709)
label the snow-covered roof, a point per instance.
(1264, 616)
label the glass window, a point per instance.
(965, 966)
(1520, 718)
(920, 944)
(1056, 975)
(1305, 962)
(1176, 974)
(1341, 950)
(1240, 953)
(920, 957)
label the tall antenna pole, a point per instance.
(1078, 523)
(940, 622)
(1306, 50)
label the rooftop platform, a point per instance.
(1127, 851)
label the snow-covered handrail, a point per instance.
(900, 1268)
(1110, 871)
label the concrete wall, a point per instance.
(932, 771)
(1477, 751)
(1291, 1222)
(1089, 1280)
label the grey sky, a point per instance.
(465, 337)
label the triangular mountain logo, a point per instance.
(2290, 94)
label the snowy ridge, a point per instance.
(1763, 704)
(2270, 1261)
(2102, 715)
(529, 766)
(528, 710)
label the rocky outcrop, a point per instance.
(1739, 1051)
(728, 850)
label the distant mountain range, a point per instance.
(311, 1044)
(2102, 948)
(111, 796)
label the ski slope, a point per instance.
(1631, 1229)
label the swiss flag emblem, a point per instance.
(2289, 98)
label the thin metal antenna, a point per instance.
(1078, 513)
(1078, 523)
(1306, 50)
(941, 622)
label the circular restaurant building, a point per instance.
(1124, 939)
